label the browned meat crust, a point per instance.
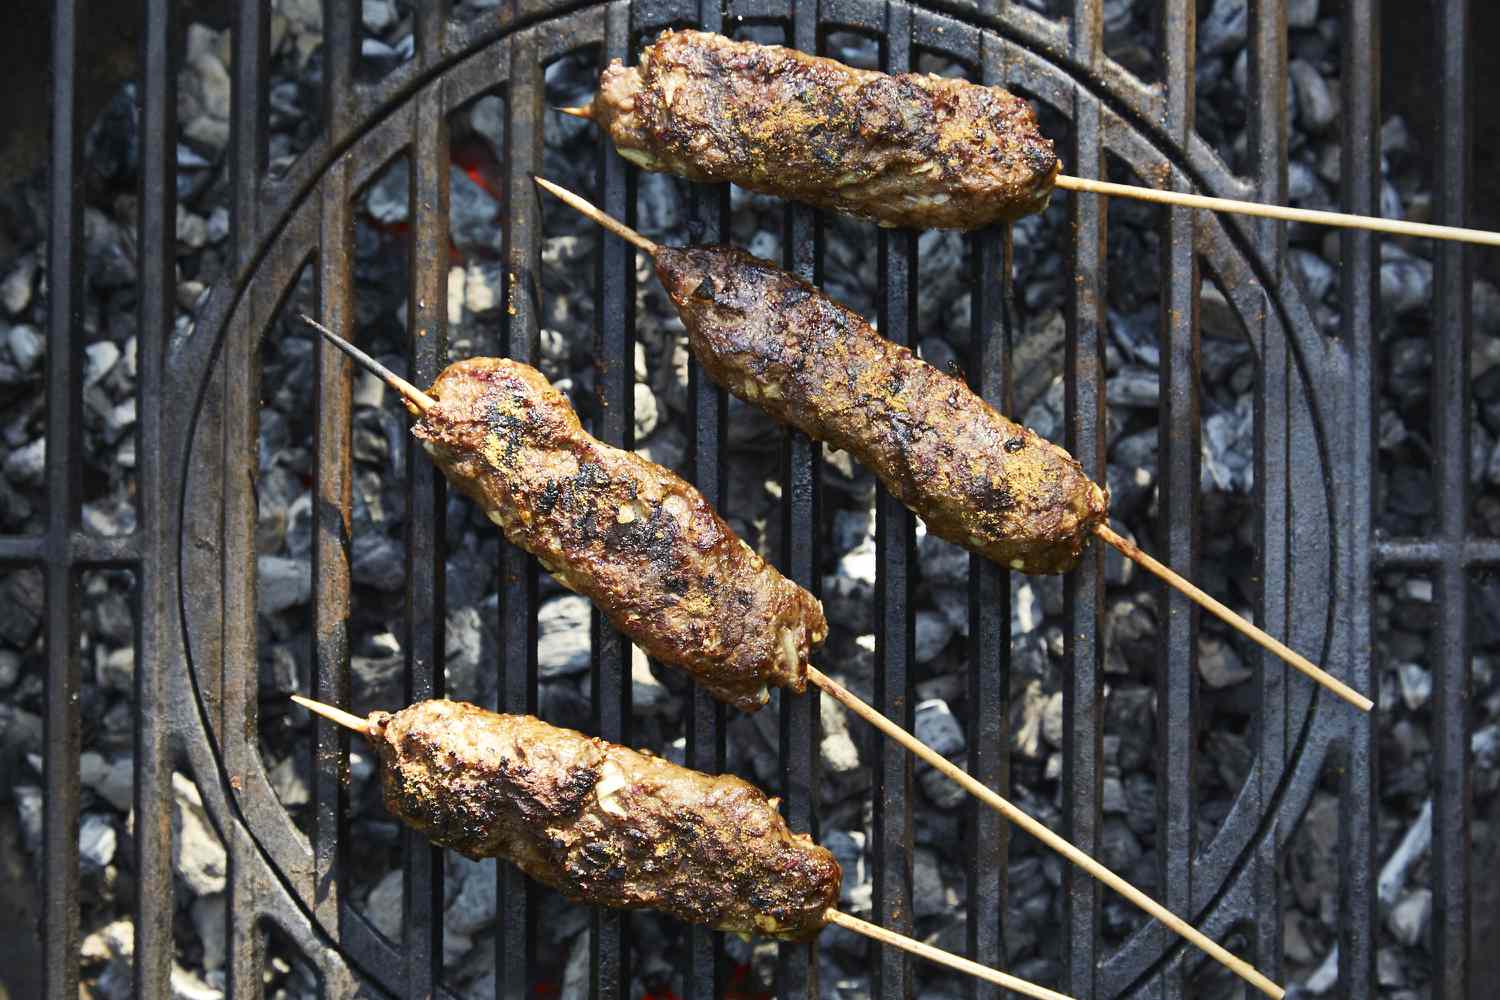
(975, 477)
(601, 823)
(913, 150)
(638, 541)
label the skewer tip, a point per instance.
(591, 211)
(346, 719)
(584, 111)
(415, 398)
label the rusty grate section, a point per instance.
(193, 552)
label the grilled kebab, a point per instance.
(607, 825)
(914, 150)
(632, 536)
(602, 823)
(976, 478)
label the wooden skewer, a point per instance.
(877, 933)
(1040, 831)
(415, 398)
(346, 719)
(1125, 546)
(873, 931)
(1226, 615)
(607, 221)
(1344, 220)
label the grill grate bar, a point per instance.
(240, 398)
(334, 490)
(614, 356)
(1178, 447)
(1452, 325)
(989, 596)
(708, 206)
(341, 47)
(158, 253)
(1426, 553)
(333, 487)
(797, 974)
(1268, 151)
(427, 354)
(894, 538)
(517, 898)
(81, 549)
(1359, 298)
(63, 475)
(248, 127)
(1084, 593)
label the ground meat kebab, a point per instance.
(977, 479)
(639, 541)
(609, 826)
(601, 823)
(914, 150)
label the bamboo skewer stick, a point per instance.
(1221, 611)
(609, 222)
(1284, 213)
(1126, 547)
(877, 933)
(873, 931)
(346, 719)
(415, 398)
(1041, 832)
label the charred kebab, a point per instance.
(600, 822)
(976, 478)
(610, 826)
(911, 149)
(636, 539)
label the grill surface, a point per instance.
(194, 555)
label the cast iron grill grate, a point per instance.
(193, 553)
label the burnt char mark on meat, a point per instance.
(910, 150)
(974, 477)
(636, 539)
(600, 823)
(653, 538)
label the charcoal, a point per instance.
(197, 854)
(1225, 28)
(563, 636)
(25, 344)
(26, 465)
(22, 601)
